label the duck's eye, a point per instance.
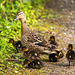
(19, 14)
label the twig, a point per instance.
(11, 60)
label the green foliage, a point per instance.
(34, 12)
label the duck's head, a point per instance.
(52, 38)
(20, 15)
(70, 47)
(11, 41)
(24, 49)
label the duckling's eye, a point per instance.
(56, 56)
(38, 62)
(35, 54)
(18, 45)
(70, 56)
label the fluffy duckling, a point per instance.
(53, 42)
(30, 54)
(70, 55)
(55, 56)
(16, 44)
(36, 64)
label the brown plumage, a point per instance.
(28, 38)
(70, 55)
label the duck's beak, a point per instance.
(16, 18)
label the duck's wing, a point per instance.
(31, 37)
(34, 37)
(44, 43)
(31, 46)
(38, 36)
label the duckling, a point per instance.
(53, 42)
(30, 54)
(70, 55)
(55, 56)
(16, 44)
(36, 64)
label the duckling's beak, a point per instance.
(60, 55)
(52, 39)
(25, 50)
(16, 18)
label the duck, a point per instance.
(29, 38)
(70, 55)
(53, 42)
(32, 58)
(53, 57)
(16, 44)
(30, 54)
(36, 64)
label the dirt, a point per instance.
(65, 34)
